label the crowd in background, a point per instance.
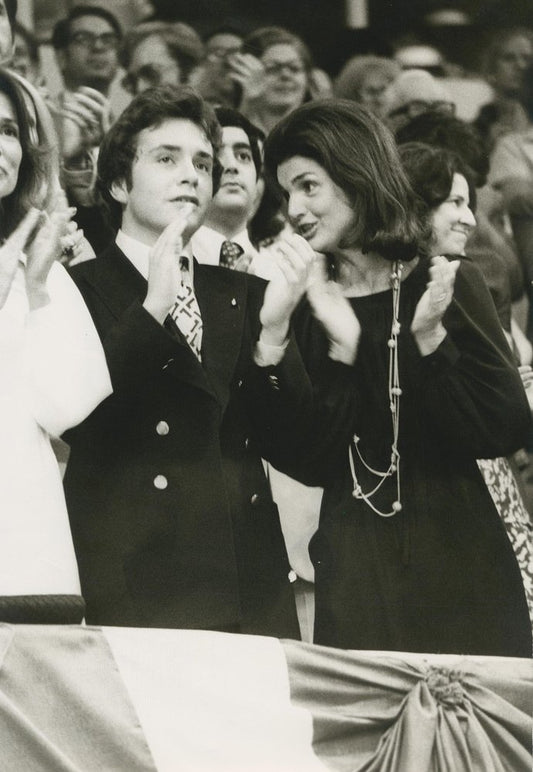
(470, 184)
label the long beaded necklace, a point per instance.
(395, 393)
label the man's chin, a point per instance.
(231, 203)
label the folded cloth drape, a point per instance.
(374, 712)
(77, 699)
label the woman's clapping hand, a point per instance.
(334, 312)
(11, 250)
(294, 258)
(42, 251)
(427, 326)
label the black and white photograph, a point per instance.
(266, 341)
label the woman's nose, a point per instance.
(295, 208)
(468, 217)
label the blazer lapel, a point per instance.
(119, 284)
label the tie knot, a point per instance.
(230, 252)
(184, 263)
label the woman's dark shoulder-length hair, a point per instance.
(31, 176)
(359, 154)
(430, 170)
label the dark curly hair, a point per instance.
(148, 109)
(451, 133)
(430, 170)
(359, 154)
(32, 170)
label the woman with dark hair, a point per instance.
(273, 75)
(412, 381)
(53, 374)
(446, 186)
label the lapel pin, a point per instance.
(233, 302)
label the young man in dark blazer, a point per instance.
(171, 514)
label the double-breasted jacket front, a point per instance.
(171, 515)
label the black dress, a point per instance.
(440, 575)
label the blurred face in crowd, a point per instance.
(510, 65)
(10, 148)
(172, 168)
(318, 209)
(6, 38)
(22, 61)
(90, 58)
(236, 195)
(372, 90)
(151, 65)
(217, 51)
(453, 220)
(286, 77)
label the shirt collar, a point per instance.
(207, 242)
(138, 253)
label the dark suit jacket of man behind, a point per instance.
(172, 519)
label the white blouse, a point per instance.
(52, 375)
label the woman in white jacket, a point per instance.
(52, 375)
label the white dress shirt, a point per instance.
(206, 243)
(138, 253)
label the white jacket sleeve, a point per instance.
(66, 370)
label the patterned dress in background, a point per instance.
(508, 500)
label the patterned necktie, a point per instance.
(230, 252)
(186, 311)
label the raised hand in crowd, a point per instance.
(427, 326)
(249, 72)
(86, 117)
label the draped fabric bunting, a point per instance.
(77, 699)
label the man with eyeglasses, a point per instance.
(86, 46)
(213, 78)
(157, 52)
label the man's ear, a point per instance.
(119, 191)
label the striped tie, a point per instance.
(186, 312)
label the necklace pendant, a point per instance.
(357, 493)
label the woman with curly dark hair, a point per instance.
(446, 186)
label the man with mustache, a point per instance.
(171, 514)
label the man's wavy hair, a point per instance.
(32, 170)
(359, 154)
(148, 110)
